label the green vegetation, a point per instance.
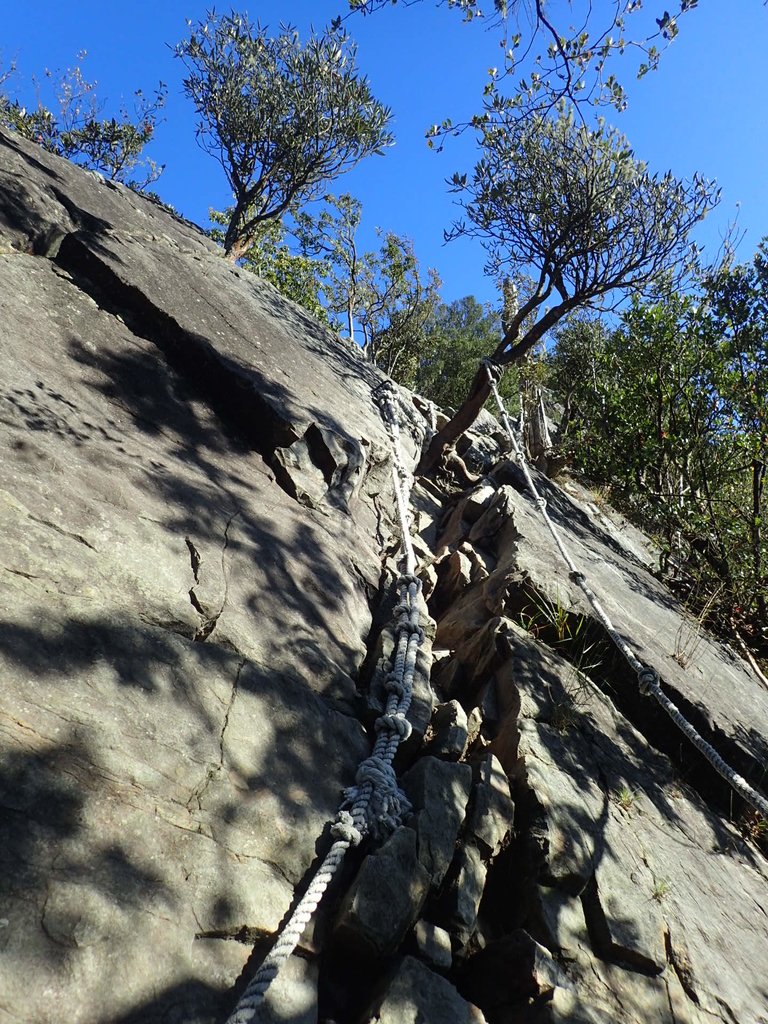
(76, 130)
(282, 118)
(382, 299)
(574, 206)
(671, 409)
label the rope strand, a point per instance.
(374, 805)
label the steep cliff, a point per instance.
(197, 537)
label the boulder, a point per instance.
(416, 995)
(385, 898)
(438, 791)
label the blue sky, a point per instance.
(702, 111)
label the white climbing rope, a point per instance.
(375, 804)
(648, 678)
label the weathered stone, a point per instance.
(438, 792)
(494, 522)
(509, 971)
(454, 574)
(433, 945)
(622, 905)
(448, 732)
(492, 811)
(180, 633)
(475, 503)
(474, 724)
(463, 901)
(292, 996)
(558, 918)
(570, 804)
(386, 897)
(195, 499)
(417, 995)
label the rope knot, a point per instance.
(394, 684)
(577, 577)
(395, 723)
(648, 680)
(417, 632)
(344, 828)
(385, 804)
(409, 579)
(541, 503)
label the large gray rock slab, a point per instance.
(644, 612)
(194, 490)
(645, 888)
(417, 995)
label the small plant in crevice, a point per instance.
(661, 889)
(625, 798)
(754, 827)
(568, 633)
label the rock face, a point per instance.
(196, 532)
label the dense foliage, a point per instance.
(282, 118)
(670, 411)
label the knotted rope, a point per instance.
(374, 805)
(648, 678)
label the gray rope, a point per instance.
(375, 804)
(648, 678)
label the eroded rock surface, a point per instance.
(194, 497)
(196, 538)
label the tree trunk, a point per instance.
(509, 350)
(462, 421)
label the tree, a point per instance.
(574, 206)
(271, 258)
(112, 146)
(459, 335)
(565, 60)
(671, 411)
(396, 304)
(331, 236)
(281, 118)
(382, 298)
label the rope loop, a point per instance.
(541, 503)
(409, 579)
(411, 629)
(394, 684)
(344, 828)
(493, 370)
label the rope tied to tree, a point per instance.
(649, 682)
(375, 805)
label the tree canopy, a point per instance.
(282, 118)
(567, 53)
(574, 207)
